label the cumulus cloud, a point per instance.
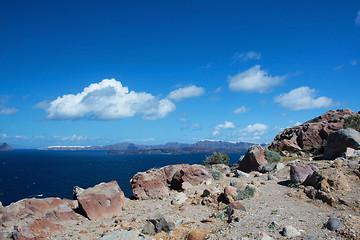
(254, 80)
(5, 110)
(302, 98)
(226, 125)
(246, 56)
(354, 62)
(241, 109)
(186, 92)
(253, 131)
(357, 19)
(110, 100)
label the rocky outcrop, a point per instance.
(37, 218)
(104, 200)
(311, 135)
(339, 141)
(254, 159)
(300, 172)
(224, 169)
(5, 147)
(149, 185)
(157, 183)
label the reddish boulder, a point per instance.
(254, 159)
(53, 209)
(170, 170)
(101, 201)
(36, 229)
(299, 173)
(311, 135)
(193, 175)
(150, 185)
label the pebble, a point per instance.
(310, 238)
(290, 231)
(334, 224)
(271, 177)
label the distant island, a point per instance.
(204, 146)
(5, 147)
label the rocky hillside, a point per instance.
(264, 196)
(311, 136)
(5, 147)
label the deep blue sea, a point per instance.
(34, 173)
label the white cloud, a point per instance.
(42, 105)
(302, 98)
(241, 109)
(254, 80)
(354, 62)
(247, 56)
(186, 92)
(226, 125)
(108, 100)
(8, 111)
(253, 131)
(5, 110)
(357, 19)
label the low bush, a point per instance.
(352, 122)
(217, 158)
(272, 156)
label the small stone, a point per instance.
(279, 166)
(334, 224)
(179, 198)
(271, 177)
(264, 236)
(237, 205)
(206, 193)
(197, 234)
(290, 231)
(309, 238)
(241, 174)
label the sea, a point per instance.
(40, 174)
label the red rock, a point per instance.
(237, 205)
(104, 200)
(196, 174)
(36, 229)
(149, 185)
(230, 193)
(53, 209)
(170, 170)
(197, 234)
(299, 173)
(313, 134)
(254, 159)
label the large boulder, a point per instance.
(254, 159)
(299, 173)
(149, 185)
(104, 200)
(52, 209)
(157, 183)
(311, 135)
(328, 180)
(339, 140)
(37, 218)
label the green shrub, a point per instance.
(217, 158)
(248, 192)
(353, 122)
(272, 156)
(216, 174)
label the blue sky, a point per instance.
(150, 72)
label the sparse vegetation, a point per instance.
(353, 122)
(272, 156)
(217, 158)
(248, 192)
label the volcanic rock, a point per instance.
(101, 201)
(312, 135)
(150, 184)
(338, 141)
(5, 147)
(254, 159)
(299, 173)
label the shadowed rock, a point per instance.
(254, 159)
(338, 142)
